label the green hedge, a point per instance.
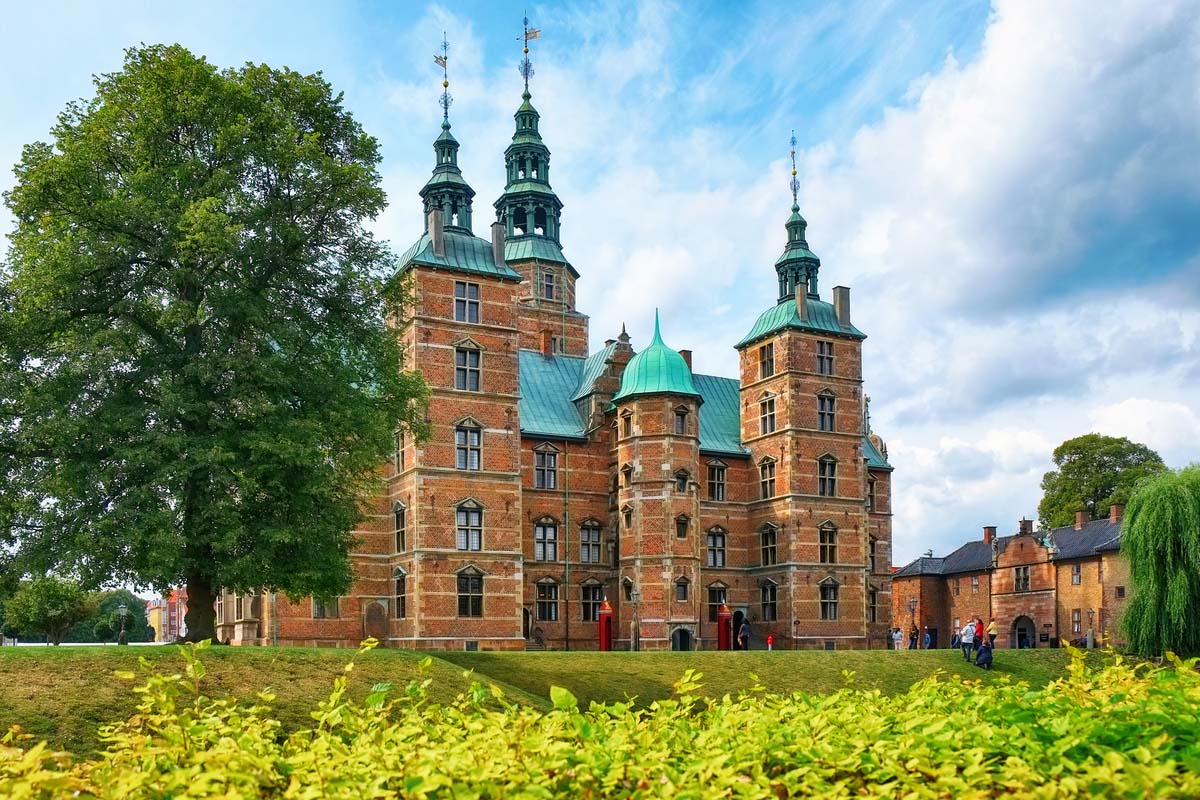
(1123, 729)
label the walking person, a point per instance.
(744, 635)
(897, 639)
(912, 637)
(926, 639)
(967, 638)
(991, 632)
(978, 635)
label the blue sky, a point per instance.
(1011, 190)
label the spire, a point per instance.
(798, 265)
(657, 340)
(657, 370)
(446, 189)
(526, 64)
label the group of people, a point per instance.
(975, 640)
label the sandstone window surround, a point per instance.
(325, 609)
(400, 512)
(766, 414)
(470, 592)
(546, 608)
(682, 524)
(827, 476)
(627, 475)
(468, 445)
(768, 544)
(766, 360)
(825, 411)
(400, 579)
(468, 369)
(715, 542)
(545, 469)
(829, 599)
(682, 478)
(716, 480)
(627, 518)
(766, 478)
(626, 424)
(682, 587)
(681, 420)
(591, 595)
(827, 545)
(871, 494)
(872, 604)
(545, 540)
(718, 595)
(824, 358)
(466, 302)
(769, 596)
(549, 285)
(589, 542)
(468, 526)
(1021, 579)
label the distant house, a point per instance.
(166, 616)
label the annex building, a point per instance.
(558, 477)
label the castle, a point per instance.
(557, 478)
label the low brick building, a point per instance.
(556, 478)
(1041, 587)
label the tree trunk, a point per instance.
(201, 616)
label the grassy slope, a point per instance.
(650, 676)
(63, 694)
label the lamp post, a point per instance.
(635, 637)
(912, 609)
(123, 637)
(1091, 636)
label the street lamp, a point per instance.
(123, 637)
(912, 609)
(1091, 642)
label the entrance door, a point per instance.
(375, 621)
(1024, 634)
(738, 619)
(681, 640)
(525, 622)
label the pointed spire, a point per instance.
(446, 189)
(657, 331)
(795, 183)
(443, 62)
(798, 265)
(526, 64)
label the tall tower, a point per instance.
(658, 461)
(531, 214)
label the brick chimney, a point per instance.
(841, 305)
(1082, 517)
(989, 533)
(547, 343)
(1116, 512)
(687, 358)
(498, 243)
(1025, 527)
(436, 233)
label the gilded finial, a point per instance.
(795, 183)
(442, 59)
(526, 64)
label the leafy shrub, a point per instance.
(1124, 729)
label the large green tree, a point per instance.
(1092, 472)
(1161, 539)
(47, 606)
(104, 623)
(201, 380)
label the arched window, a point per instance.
(539, 216)
(520, 219)
(470, 592)
(827, 476)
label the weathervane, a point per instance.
(526, 64)
(795, 184)
(441, 60)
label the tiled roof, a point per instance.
(1087, 541)
(821, 318)
(920, 566)
(720, 416)
(464, 253)
(874, 458)
(971, 557)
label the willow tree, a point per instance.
(1161, 539)
(199, 383)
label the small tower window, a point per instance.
(825, 358)
(681, 415)
(681, 526)
(766, 415)
(766, 479)
(627, 425)
(826, 476)
(627, 476)
(766, 360)
(828, 546)
(769, 542)
(825, 403)
(681, 480)
(681, 590)
(549, 290)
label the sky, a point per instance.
(1012, 191)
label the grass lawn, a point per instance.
(650, 676)
(63, 694)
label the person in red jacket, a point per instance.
(978, 636)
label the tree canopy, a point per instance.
(104, 623)
(1161, 539)
(1093, 472)
(198, 381)
(47, 606)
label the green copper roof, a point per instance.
(874, 458)
(821, 319)
(550, 384)
(464, 253)
(532, 246)
(656, 370)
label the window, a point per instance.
(466, 302)
(766, 360)
(1021, 579)
(872, 605)
(716, 547)
(770, 607)
(627, 424)
(324, 609)
(830, 645)
(466, 369)
(974, 584)
(828, 544)
(589, 543)
(681, 416)
(545, 541)
(398, 441)
(827, 477)
(401, 605)
(401, 514)
(681, 480)
(718, 595)
(548, 287)
(627, 514)
(716, 481)
(627, 476)
(870, 494)
(825, 412)
(825, 358)
(545, 470)
(766, 479)
(768, 539)
(470, 593)
(547, 602)
(468, 450)
(829, 601)
(556, 345)
(1120, 592)
(1076, 574)
(627, 585)
(955, 586)
(681, 526)
(469, 534)
(766, 415)
(591, 596)
(1077, 620)
(681, 590)
(872, 547)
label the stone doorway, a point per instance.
(681, 640)
(1024, 633)
(738, 618)
(375, 621)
